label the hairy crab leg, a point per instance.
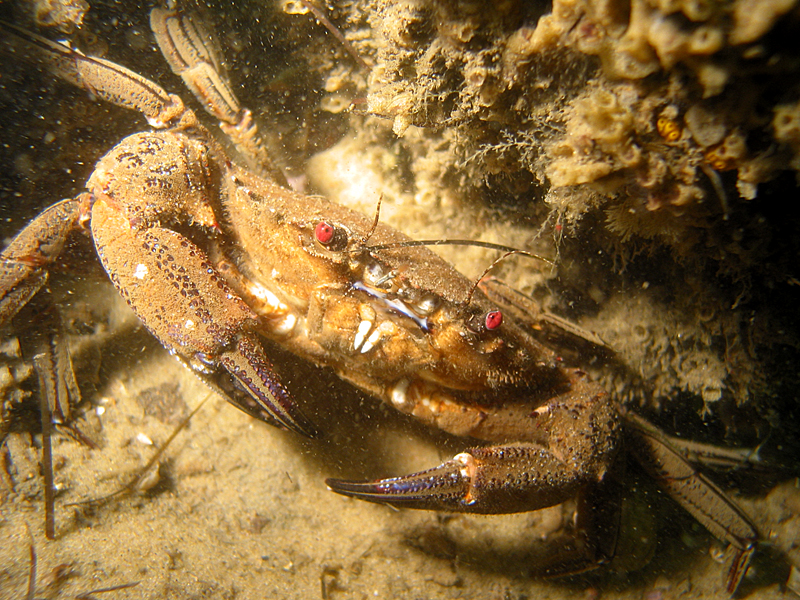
(192, 52)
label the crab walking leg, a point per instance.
(23, 264)
(47, 397)
(46, 344)
(23, 272)
(574, 443)
(695, 493)
(699, 453)
(192, 52)
(175, 291)
(102, 78)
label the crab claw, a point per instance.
(181, 299)
(494, 480)
(264, 396)
(441, 488)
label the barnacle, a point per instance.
(668, 128)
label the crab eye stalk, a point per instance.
(493, 320)
(331, 236)
(324, 233)
(482, 323)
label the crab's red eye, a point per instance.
(324, 233)
(494, 319)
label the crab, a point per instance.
(211, 255)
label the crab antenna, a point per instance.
(476, 243)
(492, 266)
(374, 223)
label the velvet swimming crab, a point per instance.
(211, 255)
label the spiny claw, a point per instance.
(186, 304)
(251, 368)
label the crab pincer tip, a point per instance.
(440, 488)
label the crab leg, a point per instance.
(23, 272)
(701, 497)
(47, 394)
(46, 344)
(571, 443)
(175, 291)
(102, 78)
(493, 480)
(23, 264)
(193, 53)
